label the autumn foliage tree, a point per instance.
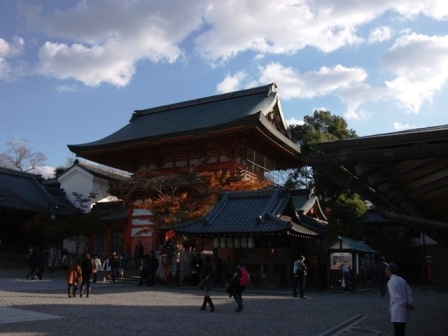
(177, 198)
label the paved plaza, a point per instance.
(41, 307)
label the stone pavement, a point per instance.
(41, 307)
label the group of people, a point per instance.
(80, 272)
(148, 269)
(401, 301)
(234, 287)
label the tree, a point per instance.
(58, 171)
(177, 198)
(20, 157)
(344, 206)
(321, 126)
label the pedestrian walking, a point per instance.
(145, 271)
(207, 282)
(114, 266)
(401, 301)
(346, 279)
(40, 263)
(66, 260)
(97, 264)
(127, 256)
(106, 269)
(299, 272)
(153, 267)
(32, 263)
(235, 287)
(139, 254)
(87, 267)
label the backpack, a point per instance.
(245, 276)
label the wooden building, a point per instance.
(243, 133)
(264, 229)
(23, 196)
(358, 257)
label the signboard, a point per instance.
(337, 259)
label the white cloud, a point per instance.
(285, 27)
(420, 65)
(110, 37)
(45, 171)
(436, 9)
(398, 126)
(9, 51)
(294, 121)
(310, 84)
(102, 41)
(231, 82)
(355, 97)
(280, 27)
(67, 88)
(380, 34)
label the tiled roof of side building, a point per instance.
(358, 245)
(372, 216)
(23, 192)
(104, 171)
(246, 212)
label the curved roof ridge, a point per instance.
(205, 100)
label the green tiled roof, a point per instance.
(372, 216)
(357, 245)
(199, 117)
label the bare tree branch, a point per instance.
(20, 157)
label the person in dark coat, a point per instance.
(87, 266)
(32, 263)
(153, 266)
(139, 253)
(145, 270)
(114, 266)
(40, 264)
(208, 280)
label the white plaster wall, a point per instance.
(82, 182)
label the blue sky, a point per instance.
(74, 71)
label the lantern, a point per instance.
(243, 242)
(229, 242)
(236, 242)
(222, 242)
(250, 242)
(216, 242)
